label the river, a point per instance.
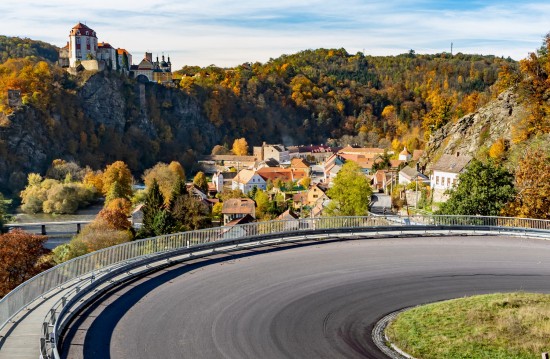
(86, 214)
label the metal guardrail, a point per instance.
(100, 263)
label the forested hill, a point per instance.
(15, 47)
(308, 97)
(319, 94)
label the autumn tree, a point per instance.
(62, 170)
(483, 189)
(533, 187)
(201, 182)
(119, 204)
(498, 149)
(94, 179)
(177, 168)
(156, 218)
(220, 150)
(21, 258)
(118, 172)
(240, 147)
(535, 88)
(189, 213)
(305, 182)
(262, 203)
(350, 195)
(166, 177)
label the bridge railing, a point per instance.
(84, 267)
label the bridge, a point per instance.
(34, 316)
(62, 228)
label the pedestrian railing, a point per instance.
(87, 268)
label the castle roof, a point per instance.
(104, 45)
(122, 51)
(81, 29)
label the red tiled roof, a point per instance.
(80, 27)
(104, 45)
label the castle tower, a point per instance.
(82, 44)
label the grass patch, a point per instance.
(504, 325)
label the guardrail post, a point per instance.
(43, 229)
(52, 314)
(78, 228)
(544, 355)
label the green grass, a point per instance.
(494, 326)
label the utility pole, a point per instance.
(451, 48)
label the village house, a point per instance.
(404, 155)
(312, 153)
(274, 174)
(366, 152)
(214, 163)
(277, 152)
(246, 180)
(217, 181)
(235, 208)
(445, 174)
(301, 165)
(382, 179)
(410, 174)
(332, 166)
(315, 194)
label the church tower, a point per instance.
(82, 44)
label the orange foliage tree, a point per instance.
(21, 258)
(533, 187)
(240, 147)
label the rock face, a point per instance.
(108, 118)
(477, 130)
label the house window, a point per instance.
(78, 54)
(437, 180)
(78, 40)
(448, 181)
(315, 196)
(454, 181)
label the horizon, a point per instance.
(227, 35)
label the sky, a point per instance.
(229, 33)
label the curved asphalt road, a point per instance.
(311, 301)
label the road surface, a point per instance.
(311, 301)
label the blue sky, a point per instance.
(228, 33)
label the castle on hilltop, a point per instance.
(84, 52)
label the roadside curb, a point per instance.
(381, 340)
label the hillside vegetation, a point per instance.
(319, 94)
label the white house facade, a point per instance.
(246, 180)
(446, 170)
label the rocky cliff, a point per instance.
(109, 117)
(477, 131)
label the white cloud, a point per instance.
(230, 33)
